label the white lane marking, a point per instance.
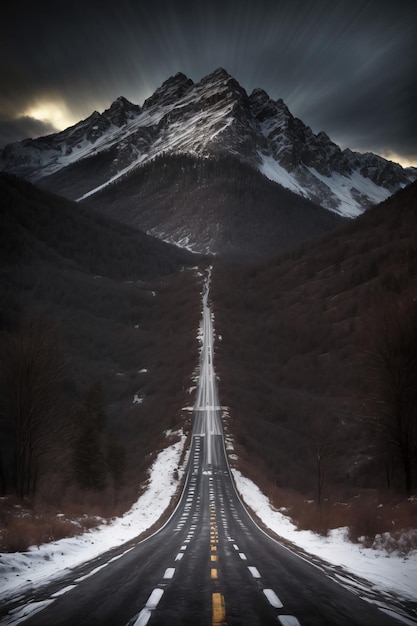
(183, 547)
(169, 572)
(154, 598)
(144, 617)
(254, 571)
(93, 571)
(243, 556)
(288, 620)
(23, 613)
(273, 598)
(179, 556)
(62, 591)
(97, 569)
(235, 546)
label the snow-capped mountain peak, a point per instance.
(213, 116)
(120, 111)
(169, 92)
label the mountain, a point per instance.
(206, 119)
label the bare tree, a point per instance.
(391, 366)
(89, 458)
(326, 449)
(32, 370)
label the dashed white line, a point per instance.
(288, 620)
(146, 612)
(144, 617)
(179, 556)
(169, 572)
(273, 598)
(243, 556)
(154, 598)
(254, 571)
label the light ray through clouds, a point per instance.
(342, 67)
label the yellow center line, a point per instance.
(218, 604)
(219, 610)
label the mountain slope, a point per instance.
(214, 116)
(293, 362)
(113, 297)
(215, 205)
(38, 226)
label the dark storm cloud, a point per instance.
(344, 67)
(15, 129)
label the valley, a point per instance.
(204, 565)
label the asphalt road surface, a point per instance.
(209, 565)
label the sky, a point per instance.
(342, 66)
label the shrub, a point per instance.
(23, 532)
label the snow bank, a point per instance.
(391, 573)
(387, 572)
(38, 565)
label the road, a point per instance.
(210, 565)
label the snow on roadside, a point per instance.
(389, 572)
(21, 570)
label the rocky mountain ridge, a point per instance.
(212, 117)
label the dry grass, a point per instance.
(22, 525)
(372, 519)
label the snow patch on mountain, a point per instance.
(272, 170)
(344, 189)
(347, 188)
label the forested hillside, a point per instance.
(93, 315)
(216, 205)
(316, 357)
(317, 361)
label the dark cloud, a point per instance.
(17, 128)
(344, 67)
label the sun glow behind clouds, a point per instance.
(53, 112)
(393, 156)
